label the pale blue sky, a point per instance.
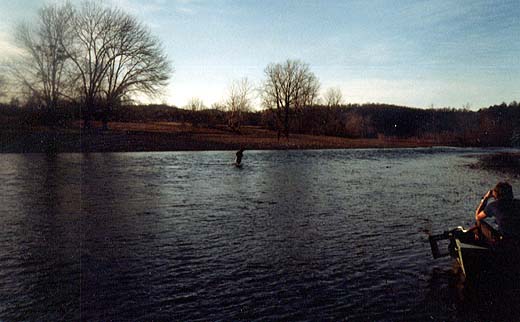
(414, 53)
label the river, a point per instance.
(292, 235)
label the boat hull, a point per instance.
(486, 258)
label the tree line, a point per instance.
(497, 125)
(88, 62)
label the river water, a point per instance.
(292, 235)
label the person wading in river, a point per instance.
(238, 159)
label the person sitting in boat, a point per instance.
(505, 210)
(238, 159)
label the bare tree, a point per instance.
(218, 106)
(333, 97)
(195, 104)
(238, 102)
(136, 63)
(289, 86)
(115, 56)
(3, 87)
(41, 69)
(360, 126)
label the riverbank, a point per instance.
(505, 162)
(170, 136)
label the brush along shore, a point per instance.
(172, 136)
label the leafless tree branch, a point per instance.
(289, 86)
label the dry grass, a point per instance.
(170, 136)
(258, 138)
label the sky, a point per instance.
(415, 53)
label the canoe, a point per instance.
(483, 253)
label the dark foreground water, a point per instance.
(293, 235)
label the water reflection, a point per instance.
(121, 208)
(41, 218)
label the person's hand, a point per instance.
(488, 194)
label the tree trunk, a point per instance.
(286, 122)
(47, 116)
(105, 122)
(87, 122)
(106, 115)
(279, 121)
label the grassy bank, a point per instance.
(171, 136)
(500, 162)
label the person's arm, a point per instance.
(479, 213)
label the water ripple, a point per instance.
(294, 235)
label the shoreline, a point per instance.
(503, 162)
(171, 136)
